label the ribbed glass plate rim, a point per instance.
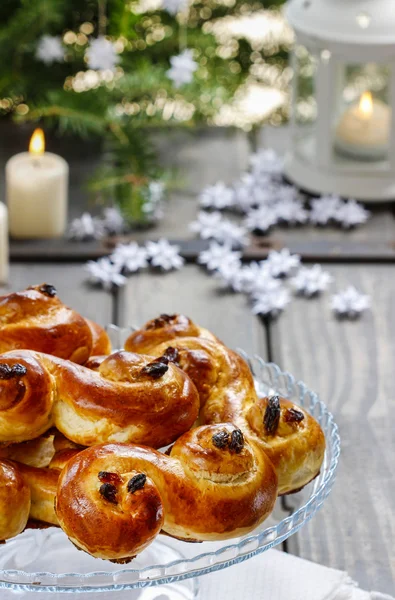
(274, 379)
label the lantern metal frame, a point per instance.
(340, 33)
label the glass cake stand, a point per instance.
(46, 561)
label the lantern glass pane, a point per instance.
(304, 99)
(362, 119)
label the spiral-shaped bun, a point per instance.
(14, 501)
(129, 398)
(292, 438)
(113, 499)
(36, 319)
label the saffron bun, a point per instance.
(36, 319)
(113, 499)
(291, 437)
(128, 398)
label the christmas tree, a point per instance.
(118, 69)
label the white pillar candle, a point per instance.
(4, 260)
(364, 128)
(37, 190)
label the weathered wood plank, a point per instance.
(350, 364)
(70, 281)
(192, 292)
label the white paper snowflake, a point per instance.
(247, 277)
(106, 273)
(174, 6)
(351, 213)
(231, 234)
(251, 192)
(217, 255)
(271, 303)
(206, 224)
(155, 194)
(182, 68)
(227, 274)
(50, 49)
(101, 54)
(311, 281)
(325, 209)
(260, 219)
(291, 211)
(285, 193)
(267, 161)
(350, 303)
(282, 263)
(113, 220)
(217, 196)
(130, 257)
(164, 255)
(86, 227)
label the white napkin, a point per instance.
(272, 575)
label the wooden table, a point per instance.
(350, 364)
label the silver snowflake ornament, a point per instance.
(311, 281)
(101, 54)
(50, 49)
(217, 255)
(105, 273)
(113, 220)
(130, 257)
(350, 303)
(86, 227)
(164, 255)
(325, 209)
(261, 219)
(182, 68)
(282, 263)
(271, 303)
(174, 6)
(217, 196)
(351, 213)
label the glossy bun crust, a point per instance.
(36, 319)
(129, 398)
(293, 439)
(114, 499)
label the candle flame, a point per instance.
(37, 143)
(366, 105)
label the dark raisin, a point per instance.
(136, 483)
(161, 321)
(107, 477)
(272, 414)
(221, 439)
(18, 370)
(7, 372)
(172, 355)
(236, 441)
(155, 369)
(292, 415)
(109, 492)
(48, 289)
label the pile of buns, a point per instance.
(80, 429)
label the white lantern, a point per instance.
(343, 130)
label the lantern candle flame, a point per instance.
(366, 105)
(37, 143)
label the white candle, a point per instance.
(37, 189)
(4, 260)
(364, 129)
